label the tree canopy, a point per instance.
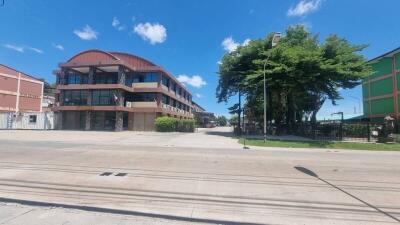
(301, 73)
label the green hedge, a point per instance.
(170, 124)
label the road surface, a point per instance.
(205, 177)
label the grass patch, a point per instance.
(322, 144)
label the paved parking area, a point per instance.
(204, 177)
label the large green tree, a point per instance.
(301, 74)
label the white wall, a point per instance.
(44, 120)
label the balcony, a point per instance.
(152, 104)
(145, 85)
(177, 111)
(165, 88)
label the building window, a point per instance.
(32, 118)
(141, 78)
(144, 97)
(150, 77)
(104, 97)
(165, 99)
(75, 97)
(76, 78)
(174, 87)
(180, 91)
(105, 78)
(103, 120)
(165, 81)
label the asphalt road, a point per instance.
(61, 177)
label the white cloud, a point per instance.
(58, 46)
(304, 7)
(246, 42)
(115, 22)
(231, 45)
(198, 95)
(117, 25)
(35, 50)
(195, 81)
(22, 48)
(87, 33)
(14, 47)
(155, 33)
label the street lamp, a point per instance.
(341, 124)
(275, 39)
(359, 103)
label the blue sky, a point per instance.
(185, 37)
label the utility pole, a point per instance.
(275, 39)
(239, 111)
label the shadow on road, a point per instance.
(311, 173)
(121, 212)
(220, 133)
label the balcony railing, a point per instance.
(173, 109)
(165, 88)
(152, 104)
(145, 85)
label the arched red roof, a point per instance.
(133, 60)
(93, 55)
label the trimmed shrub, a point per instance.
(355, 130)
(165, 124)
(170, 124)
(188, 125)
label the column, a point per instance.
(62, 77)
(158, 99)
(89, 97)
(88, 119)
(119, 121)
(92, 71)
(121, 75)
(59, 120)
(120, 96)
(159, 79)
(61, 98)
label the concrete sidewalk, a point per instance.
(219, 137)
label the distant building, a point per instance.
(22, 104)
(203, 118)
(19, 92)
(47, 103)
(98, 90)
(197, 107)
(380, 89)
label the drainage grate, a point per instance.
(121, 174)
(106, 174)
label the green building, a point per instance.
(380, 89)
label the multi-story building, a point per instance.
(197, 108)
(98, 90)
(380, 89)
(19, 92)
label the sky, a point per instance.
(187, 38)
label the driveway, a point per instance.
(205, 177)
